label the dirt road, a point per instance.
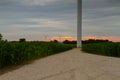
(69, 65)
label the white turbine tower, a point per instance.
(79, 23)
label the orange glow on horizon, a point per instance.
(72, 38)
(62, 38)
(111, 38)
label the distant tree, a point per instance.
(1, 36)
(66, 42)
(22, 40)
(69, 42)
(55, 41)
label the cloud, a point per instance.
(41, 25)
(34, 18)
(26, 2)
(101, 17)
(102, 26)
(37, 2)
(39, 28)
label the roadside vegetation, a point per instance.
(104, 48)
(17, 52)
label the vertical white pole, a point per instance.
(79, 23)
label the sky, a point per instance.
(57, 19)
(101, 19)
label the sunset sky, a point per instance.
(57, 19)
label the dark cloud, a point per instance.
(8, 3)
(101, 17)
(113, 1)
(97, 4)
(18, 16)
(98, 15)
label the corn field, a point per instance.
(108, 49)
(17, 52)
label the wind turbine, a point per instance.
(79, 23)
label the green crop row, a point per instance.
(108, 49)
(17, 52)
